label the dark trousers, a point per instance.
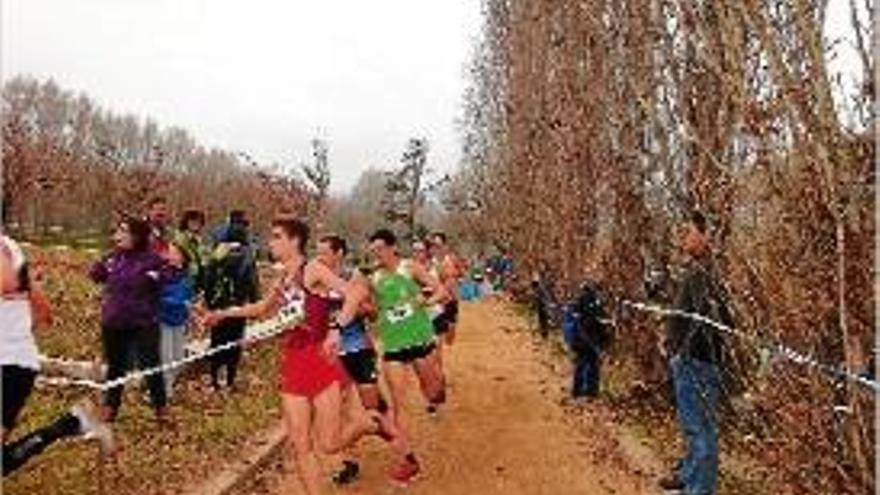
(17, 453)
(126, 349)
(228, 330)
(586, 374)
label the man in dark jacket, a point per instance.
(231, 279)
(695, 350)
(588, 336)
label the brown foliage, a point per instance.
(68, 163)
(592, 128)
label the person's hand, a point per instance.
(210, 319)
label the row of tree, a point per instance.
(69, 163)
(590, 129)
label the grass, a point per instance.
(212, 429)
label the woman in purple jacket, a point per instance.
(132, 275)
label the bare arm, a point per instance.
(255, 310)
(8, 278)
(439, 293)
(317, 275)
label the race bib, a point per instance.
(400, 312)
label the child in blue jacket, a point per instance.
(174, 309)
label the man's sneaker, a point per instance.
(433, 411)
(405, 472)
(92, 426)
(672, 483)
(348, 474)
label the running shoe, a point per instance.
(92, 426)
(405, 472)
(348, 474)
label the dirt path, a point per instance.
(505, 430)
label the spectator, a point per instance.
(543, 300)
(230, 280)
(695, 349)
(189, 238)
(157, 217)
(586, 331)
(133, 276)
(174, 310)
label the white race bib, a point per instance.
(400, 312)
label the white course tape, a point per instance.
(774, 349)
(255, 332)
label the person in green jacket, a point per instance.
(189, 238)
(406, 334)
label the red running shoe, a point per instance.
(405, 472)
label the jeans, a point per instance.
(173, 340)
(586, 374)
(697, 392)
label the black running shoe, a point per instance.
(348, 474)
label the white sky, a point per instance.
(262, 76)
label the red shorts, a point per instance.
(306, 371)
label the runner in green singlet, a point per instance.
(405, 333)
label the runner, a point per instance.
(23, 305)
(311, 374)
(448, 269)
(406, 335)
(356, 351)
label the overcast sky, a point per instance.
(265, 76)
(262, 76)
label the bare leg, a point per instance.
(430, 377)
(298, 418)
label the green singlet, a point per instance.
(403, 321)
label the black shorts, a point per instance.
(410, 354)
(361, 366)
(17, 385)
(447, 318)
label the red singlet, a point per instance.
(305, 370)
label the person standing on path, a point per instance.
(695, 351)
(406, 334)
(132, 275)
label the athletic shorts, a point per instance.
(410, 354)
(361, 366)
(447, 318)
(17, 385)
(306, 371)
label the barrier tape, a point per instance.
(254, 332)
(774, 349)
